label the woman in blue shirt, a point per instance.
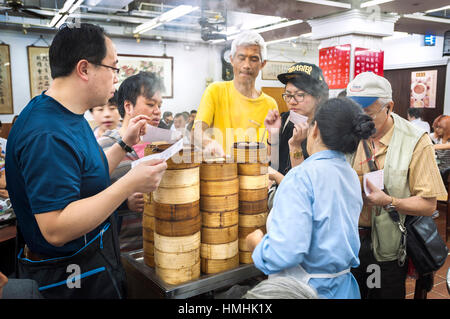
(313, 226)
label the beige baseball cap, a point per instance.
(367, 87)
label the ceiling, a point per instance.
(214, 18)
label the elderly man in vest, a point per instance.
(411, 181)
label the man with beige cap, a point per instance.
(405, 157)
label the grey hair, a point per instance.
(383, 101)
(281, 287)
(248, 38)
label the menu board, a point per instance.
(367, 60)
(335, 64)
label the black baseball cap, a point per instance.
(302, 69)
(307, 77)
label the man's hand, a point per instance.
(136, 128)
(377, 197)
(253, 239)
(145, 177)
(213, 150)
(135, 202)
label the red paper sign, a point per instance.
(335, 64)
(367, 60)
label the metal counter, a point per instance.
(143, 282)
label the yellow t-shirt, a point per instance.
(224, 108)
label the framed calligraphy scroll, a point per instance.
(161, 65)
(273, 68)
(6, 100)
(39, 69)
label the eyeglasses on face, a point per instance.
(298, 97)
(117, 70)
(374, 115)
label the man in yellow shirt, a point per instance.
(234, 111)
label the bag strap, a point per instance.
(401, 254)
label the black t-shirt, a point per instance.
(286, 132)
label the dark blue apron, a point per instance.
(94, 271)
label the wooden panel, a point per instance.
(400, 80)
(276, 94)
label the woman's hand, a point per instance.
(298, 135)
(253, 239)
(272, 120)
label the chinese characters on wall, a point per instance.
(6, 102)
(39, 68)
(367, 60)
(335, 64)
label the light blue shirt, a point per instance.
(315, 224)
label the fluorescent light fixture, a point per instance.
(165, 17)
(61, 16)
(397, 35)
(282, 40)
(374, 3)
(268, 28)
(306, 35)
(329, 3)
(421, 16)
(438, 9)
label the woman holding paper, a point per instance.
(305, 89)
(312, 230)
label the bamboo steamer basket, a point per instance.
(179, 227)
(177, 244)
(213, 266)
(219, 235)
(220, 219)
(254, 207)
(188, 157)
(253, 220)
(253, 182)
(253, 169)
(250, 152)
(180, 178)
(219, 188)
(217, 169)
(149, 257)
(173, 212)
(179, 276)
(180, 195)
(148, 222)
(148, 234)
(176, 260)
(219, 203)
(253, 195)
(219, 251)
(245, 257)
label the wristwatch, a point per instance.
(297, 154)
(391, 206)
(124, 146)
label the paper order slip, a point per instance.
(297, 118)
(168, 153)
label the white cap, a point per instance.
(367, 87)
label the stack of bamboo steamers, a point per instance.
(200, 214)
(253, 182)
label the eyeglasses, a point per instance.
(374, 115)
(117, 70)
(298, 97)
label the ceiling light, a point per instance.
(421, 16)
(438, 9)
(397, 35)
(165, 17)
(281, 40)
(329, 3)
(61, 16)
(373, 3)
